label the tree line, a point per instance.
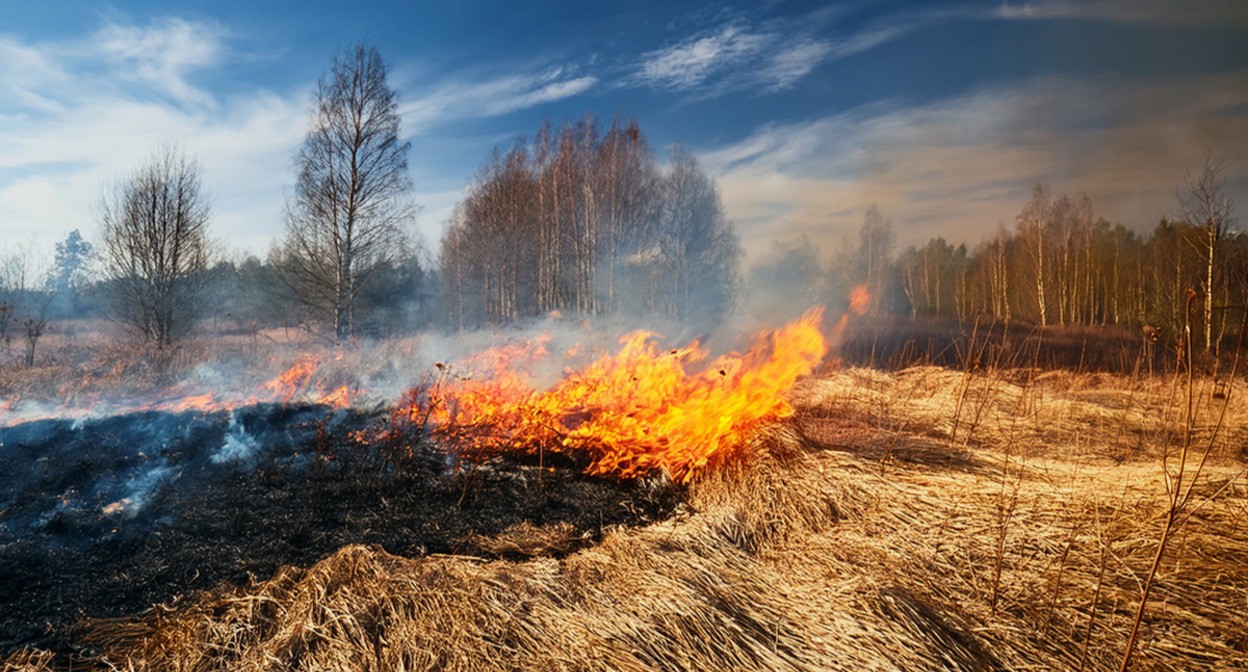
(1059, 264)
(587, 221)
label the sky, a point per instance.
(942, 114)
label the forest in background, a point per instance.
(585, 223)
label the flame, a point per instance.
(859, 300)
(291, 381)
(200, 402)
(339, 398)
(637, 411)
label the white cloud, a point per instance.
(691, 62)
(162, 54)
(466, 98)
(76, 116)
(792, 63)
(777, 54)
(957, 167)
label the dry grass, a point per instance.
(88, 367)
(866, 534)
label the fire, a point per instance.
(199, 402)
(291, 381)
(339, 398)
(859, 300)
(637, 411)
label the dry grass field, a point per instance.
(923, 519)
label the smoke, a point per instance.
(140, 488)
(239, 446)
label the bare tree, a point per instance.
(154, 229)
(1204, 203)
(875, 254)
(350, 209)
(14, 285)
(575, 222)
(698, 249)
(1033, 225)
(627, 176)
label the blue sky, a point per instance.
(942, 114)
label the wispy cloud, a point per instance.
(731, 57)
(77, 114)
(693, 61)
(792, 63)
(963, 164)
(1160, 12)
(464, 97)
(772, 56)
(162, 54)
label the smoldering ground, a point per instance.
(113, 515)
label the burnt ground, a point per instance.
(108, 517)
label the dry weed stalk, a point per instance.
(1179, 491)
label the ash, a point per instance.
(109, 517)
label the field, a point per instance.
(924, 518)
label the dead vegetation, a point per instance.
(923, 520)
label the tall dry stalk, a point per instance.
(1178, 490)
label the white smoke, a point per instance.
(239, 446)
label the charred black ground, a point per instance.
(108, 517)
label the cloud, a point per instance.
(793, 63)
(78, 114)
(691, 62)
(462, 97)
(1156, 12)
(731, 58)
(775, 55)
(959, 166)
(162, 54)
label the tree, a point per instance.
(930, 277)
(785, 282)
(154, 229)
(876, 239)
(1204, 203)
(1033, 225)
(627, 179)
(70, 270)
(350, 209)
(575, 222)
(698, 250)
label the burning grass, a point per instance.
(924, 519)
(630, 413)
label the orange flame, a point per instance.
(339, 398)
(200, 402)
(291, 381)
(859, 300)
(634, 412)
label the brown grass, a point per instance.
(859, 536)
(89, 366)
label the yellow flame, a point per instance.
(636, 411)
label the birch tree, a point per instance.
(1204, 203)
(351, 205)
